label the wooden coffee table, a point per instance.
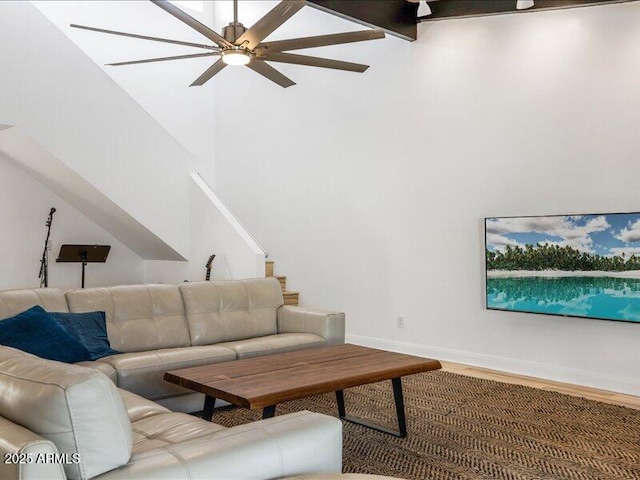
(263, 382)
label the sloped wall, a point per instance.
(62, 180)
(51, 91)
(24, 209)
(161, 88)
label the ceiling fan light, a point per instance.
(524, 4)
(234, 57)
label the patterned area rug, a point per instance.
(467, 428)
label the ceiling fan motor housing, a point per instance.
(233, 31)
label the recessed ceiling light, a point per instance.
(424, 9)
(524, 4)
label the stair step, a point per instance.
(283, 281)
(290, 298)
(268, 267)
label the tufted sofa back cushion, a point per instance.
(231, 310)
(13, 302)
(139, 317)
(78, 409)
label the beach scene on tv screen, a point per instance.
(574, 265)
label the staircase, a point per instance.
(290, 297)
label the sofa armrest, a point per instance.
(25, 455)
(287, 445)
(329, 325)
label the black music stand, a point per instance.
(83, 253)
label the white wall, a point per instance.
(55, 95)
(87, 138)
(24, 210)
(162, 88)
(214, 230)
(369, 190)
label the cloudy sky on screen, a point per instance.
(606, 235)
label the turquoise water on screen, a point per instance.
(596, 297)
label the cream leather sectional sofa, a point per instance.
(51, 408)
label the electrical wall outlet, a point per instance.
(400, 321)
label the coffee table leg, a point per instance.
(340, 401)
(399, 401)
(268, 412)
(209, 403)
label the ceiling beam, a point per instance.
(396, 17)
(399, 17)
(446, 9)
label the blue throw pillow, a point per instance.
(90, 329)
(35, 331)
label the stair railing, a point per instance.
(231, 218)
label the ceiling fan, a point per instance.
(241, 46)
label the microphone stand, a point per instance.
(44, 262)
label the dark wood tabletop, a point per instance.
(271, 379)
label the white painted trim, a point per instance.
(248, 238)
(521, 367)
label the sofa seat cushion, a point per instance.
(139, 407)
(143, 372)
(166, 429)
(273, 448)
(279, 343)
(78, 409)
(154, 426)
(105, 368)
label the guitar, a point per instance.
(209, 262)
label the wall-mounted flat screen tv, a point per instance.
(571, 265)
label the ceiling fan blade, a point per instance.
(269, 72)
(162, 59)
(267, 24)
(320, 41)
(314, 62)
(144, 37)
(209, 73)
(192, 22)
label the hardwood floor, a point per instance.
(630, 401)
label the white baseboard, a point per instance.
(545, 371)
